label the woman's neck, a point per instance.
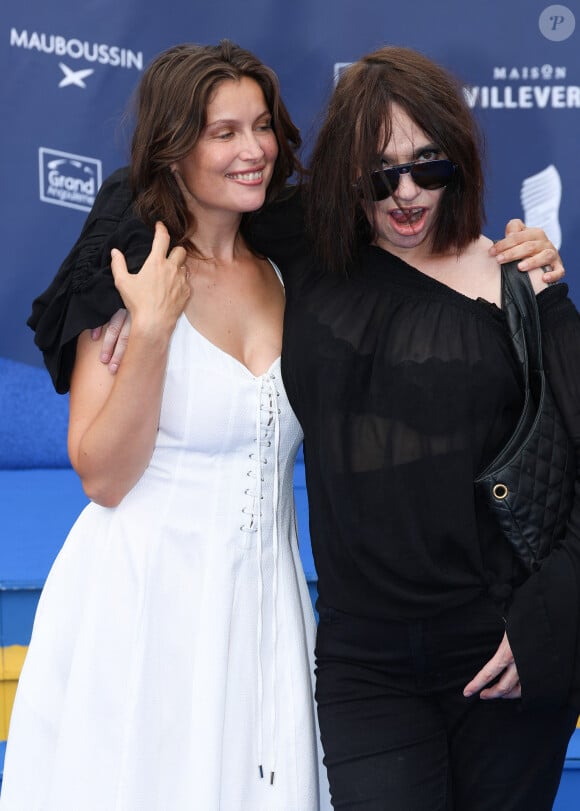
(219, 241)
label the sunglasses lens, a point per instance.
(427, 174)
(385, 183)
(433, 174)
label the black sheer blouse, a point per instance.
(405, 390)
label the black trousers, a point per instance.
(397, 733)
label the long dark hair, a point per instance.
(348, 147)
(171, 106)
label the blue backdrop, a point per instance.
(66, 73)
(69, 68)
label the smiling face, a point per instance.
(231, 165)
(404, 222)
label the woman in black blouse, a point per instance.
(442, 683)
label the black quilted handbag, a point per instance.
(529, 486)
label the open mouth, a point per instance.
(407, 216)
(408, 221)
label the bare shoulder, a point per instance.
(483, 244)
(482, 270)
(477, 255)
(535, 275)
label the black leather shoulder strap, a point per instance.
(521, 310)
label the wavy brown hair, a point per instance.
(171, 106)
(348, 147)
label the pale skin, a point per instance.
(227, 293)
(529, 246)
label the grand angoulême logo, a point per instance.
(67, 179)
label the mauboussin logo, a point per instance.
(67, 179)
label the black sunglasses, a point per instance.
(430, 175)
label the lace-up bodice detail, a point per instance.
(263, 473)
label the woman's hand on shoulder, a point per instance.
(532, 249)
(156, 296)
(117, 331)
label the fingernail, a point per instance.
(500, 257)
(113, 367)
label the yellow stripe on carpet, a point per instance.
(11, 661)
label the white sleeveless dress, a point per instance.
(172, 649)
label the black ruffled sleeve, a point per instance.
(543, 623)
(83, 295)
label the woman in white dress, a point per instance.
(170, 666)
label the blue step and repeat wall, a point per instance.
(68, 68)
(67, 71)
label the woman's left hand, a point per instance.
(501, 665)
(532, 246)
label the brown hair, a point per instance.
(171, 102)
(348, 147)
